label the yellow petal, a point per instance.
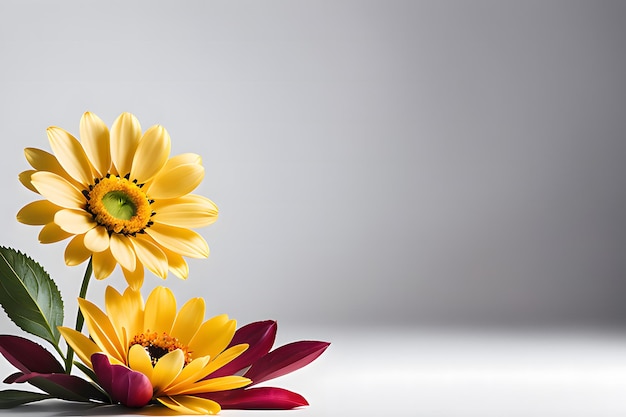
(213, 336)
(94, 136)
(122, 250)
(167, 369)
(97, 239)
(125, 135)
(76, 253)
(176, 181)
(82, 345)
(139, 360)
(101, 330)
(52, 233)
(58, 190)
(134, 279)
(185, 404)
(177, 264)
(70, 154)
(192, 372)
(216, 384)
(25, 178)
(134, 303)
(151, 257)
(103, 264)
(188, 320)
(189, 211)
(74, 221)
(160, 310)
(119, 314)
(45, 161)
(37, 213)
(225, 357)
(180, 240)
(151, 154)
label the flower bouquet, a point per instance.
(120, 199)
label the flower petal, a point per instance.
(215, 384)
(25, 178)
(73, 221)
(259, 336)
(188, 320)
(28, 356)
(103, 264)
(37, 213)
(160, 310)
(176, 264)
(52, 233)
(64, 387)
(189, 211)
(97, 239)
(139, 360)
(58, 190)
(184, 404)
(101, 330)
(151, 155)
(151, 257)
(134, 279)
(223, 359)
(258, 398)
(285, 359)
(176, 181)
(82, 345)
(166, 370)
(192, 372)
(45, 161)
(180, 240)
(76, 253)
(213, 336)
(94, 136)
(131, 388)
(122, 251)
(70, 154)
(124, 136)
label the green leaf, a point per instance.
(12, 398)
(29, 296)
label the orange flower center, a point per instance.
(158, 345)
(119, 205)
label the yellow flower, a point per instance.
(120, 197)
(175, 351)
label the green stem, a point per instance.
(80, 320)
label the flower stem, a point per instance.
(80, 319)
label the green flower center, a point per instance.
(119, 205)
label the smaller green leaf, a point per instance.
(12, 398)
(29, 296)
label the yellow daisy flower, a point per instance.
(175, 351)
(120, 197)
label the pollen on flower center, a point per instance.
(119, 205)
(157, 345)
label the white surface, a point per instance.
(426, 372)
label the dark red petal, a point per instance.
(264, 398)
(63, 386)
(28, 356)
(131, 388)
(260, 336)
(285, 359)
(13, 377)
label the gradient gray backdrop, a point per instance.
(375, 162)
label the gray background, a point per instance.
(375, 162)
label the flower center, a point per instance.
(119, 205)
(158, 345)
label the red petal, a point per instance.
(265, 398)
(63, 386)
(28, 356)
(131, 388)
(260, 336)
(285, 359)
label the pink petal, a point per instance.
(260, 335)
(285, 359)
(131, 388)
(28, 356)
(265, 398)
(63, 386)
